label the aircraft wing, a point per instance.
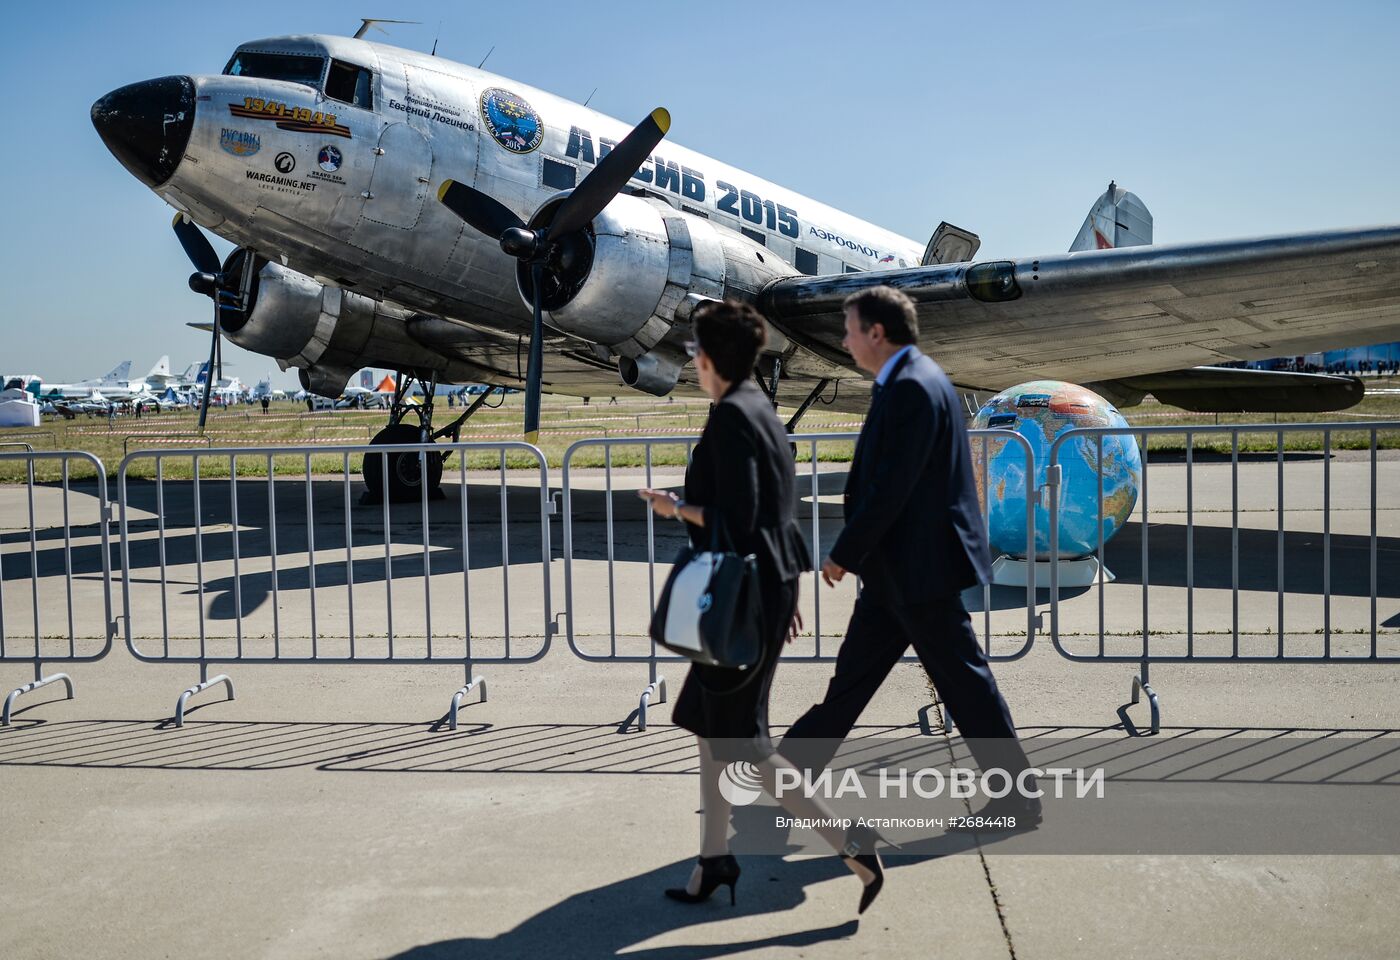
(1104, 315)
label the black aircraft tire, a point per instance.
(404, 468)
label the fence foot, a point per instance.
(475, 683)
(1141, 686)
(926, 728)
(200, 688)
(658, 687)
(30, 687)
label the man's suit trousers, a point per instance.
(941, 633)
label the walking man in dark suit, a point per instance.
(914, 534)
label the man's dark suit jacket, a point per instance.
(742, 474)
(914, 530)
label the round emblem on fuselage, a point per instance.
(510, 120)
(329, 159)
(285, 162)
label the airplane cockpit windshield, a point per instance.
(292, 67)
(349, 83)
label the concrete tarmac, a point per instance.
(326, 813)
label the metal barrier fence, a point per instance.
(68, 580)
(1272, 572)
(151, 438)
(636, 538)
(259, 583)
(26, 438)
(210, 575)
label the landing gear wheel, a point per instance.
(405, 468)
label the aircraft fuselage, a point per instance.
(335, 174)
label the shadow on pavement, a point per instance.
(536, 748)
(609, 919)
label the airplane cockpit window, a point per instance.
(349, 84)
(292, 67)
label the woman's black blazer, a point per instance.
(741, 473)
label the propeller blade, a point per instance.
(611, 174)
(534, 370)
(209, 370)
(196, 244)
(486, 214)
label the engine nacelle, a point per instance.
(655, 373)
(328, 332)
(325, 381)
(305, 323)
(646, 267)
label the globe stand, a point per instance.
(1008, 571)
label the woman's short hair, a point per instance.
(732, 334)
(890, 308)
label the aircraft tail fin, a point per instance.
(203, 372)
(121, 371)
(1117, 219)
(161, 370)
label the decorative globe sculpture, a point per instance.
(1040, 411)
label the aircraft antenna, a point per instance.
(367, 22)
(435, 39)
(590, 96)
(487, 57)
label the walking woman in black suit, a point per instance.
(741, 476)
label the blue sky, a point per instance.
(1227, 119)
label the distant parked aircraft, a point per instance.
(115, 384)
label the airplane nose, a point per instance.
(146, 125)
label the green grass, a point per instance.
(288, 424)
(1382, 407)
(565, 420)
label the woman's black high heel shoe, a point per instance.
(715, 872)
(860, 848)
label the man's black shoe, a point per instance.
(1000, 816)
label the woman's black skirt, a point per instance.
(730, 707)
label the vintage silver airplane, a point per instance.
(396, 209)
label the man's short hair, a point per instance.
(732, 334)
(890, 308)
